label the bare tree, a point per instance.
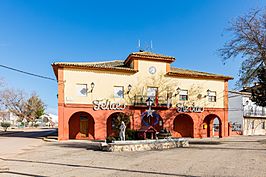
(14, 101)
(249, 41)
(163, 84)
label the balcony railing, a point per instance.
(140, 100)
(255, 113)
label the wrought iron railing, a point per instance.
(140, 100)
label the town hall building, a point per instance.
(186, 103)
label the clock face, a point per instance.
(152, 70)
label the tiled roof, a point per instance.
(185, 72)
(115, 64)
(120, 65)
(149, 55)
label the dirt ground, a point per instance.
(233, 156)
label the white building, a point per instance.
(245, 115)
(7, 116)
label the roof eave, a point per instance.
(199, 76)
(124, 70)
(55, 69)
(146, 57)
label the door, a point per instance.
(84, 127)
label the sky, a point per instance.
(36, 33)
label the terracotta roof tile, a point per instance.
(150, 54)
(115, 64)
(180, 71)
(120, 65)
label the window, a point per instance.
(81, 89)
(212, 96)
(152, 91)
(263, 125)
(118, 92)
(183, 95)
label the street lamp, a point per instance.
(129, 87)
(92, 87)
(208, 92)
(177, 91)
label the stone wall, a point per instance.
(145, 145)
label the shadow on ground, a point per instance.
(205, 142)
(31, 134)
(91, 167)
(96, 146)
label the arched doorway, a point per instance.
(81, 126)
(113, 122)
(212, 124)
(156, 123)
(184, 126)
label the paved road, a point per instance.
(234, 156)
(18, 142)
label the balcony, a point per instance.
(251, 113)
(140, 101)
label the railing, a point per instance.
(140, 100)
(255, 113)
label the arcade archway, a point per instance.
(81, 126)
(113, 123)
(184, 126)
(213, 125)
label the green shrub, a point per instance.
(131, 134)
(5, 125)
(110, 139)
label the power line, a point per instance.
(28, 73)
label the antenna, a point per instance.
(139, 46)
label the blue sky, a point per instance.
(34, 34)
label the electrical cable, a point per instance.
(28, 73)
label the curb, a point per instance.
(49, 140)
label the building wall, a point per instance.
(245, 112)
(104, 83)
(70, 103)
(254, 126)
(100, 118)
(235, 105)
(254, 117)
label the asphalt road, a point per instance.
(15, 142)
(227, 157)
